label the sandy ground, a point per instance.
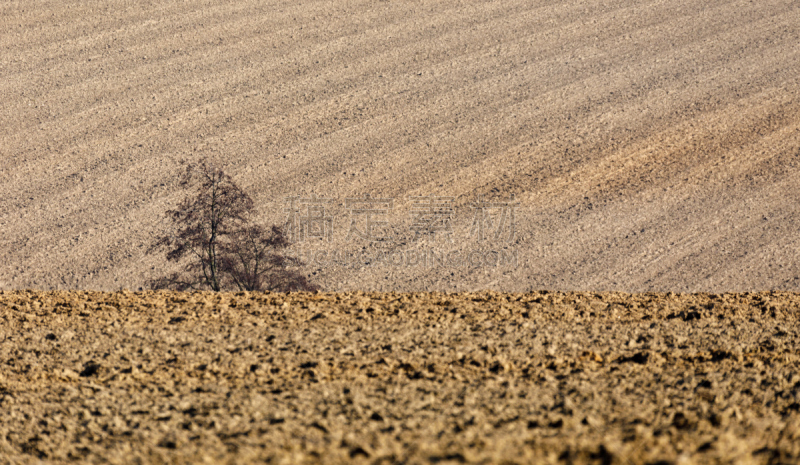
(649, 145)
(543, 377)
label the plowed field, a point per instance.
(541, 377)
(649, 145)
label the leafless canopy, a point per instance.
(220, 248)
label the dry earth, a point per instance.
(542, 377)
(650, 145)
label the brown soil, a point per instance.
(542, 377)
(651, 145)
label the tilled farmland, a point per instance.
(645, 145)
(541, 377)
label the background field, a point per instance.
(650, 145)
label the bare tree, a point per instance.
(220, 247)
(253, 261)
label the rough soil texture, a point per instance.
(542, 377)
(650, 145)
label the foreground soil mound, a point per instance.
(158, 377)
